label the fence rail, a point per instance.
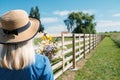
(78, 45)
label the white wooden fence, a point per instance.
(78, 45)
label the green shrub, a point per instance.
(116, 39)
(118, 42)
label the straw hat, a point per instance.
(16, 26)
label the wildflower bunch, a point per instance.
(48, 48)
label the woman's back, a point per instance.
(40, 70)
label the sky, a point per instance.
(54, 12)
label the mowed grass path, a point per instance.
(104, 63)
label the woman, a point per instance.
(18, 60)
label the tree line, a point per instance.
(76, 22)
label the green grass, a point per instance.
(104, 64)
(38, 40)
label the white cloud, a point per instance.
(49, 20)
(56, 29)
(116, 15)
(66, 12)
(89, 11)
(61, 13)
(108, 25)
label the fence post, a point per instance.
(89, 44)
(63, 58)
(95, 40)
(79, 44)
(84, 45)
(74, 57)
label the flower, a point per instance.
(48, 48)
(51, 49)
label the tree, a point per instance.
(83, 21)
(34, 13)
(69, 24)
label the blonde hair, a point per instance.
(17, 56)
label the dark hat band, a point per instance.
(16, 31)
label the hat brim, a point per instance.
(22, 36)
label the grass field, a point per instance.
(104, 64)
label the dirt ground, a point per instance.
(70, 74)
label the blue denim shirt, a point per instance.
(40, 70)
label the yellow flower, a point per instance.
(47, 37)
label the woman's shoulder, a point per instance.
(39, 57)
(41, 60)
